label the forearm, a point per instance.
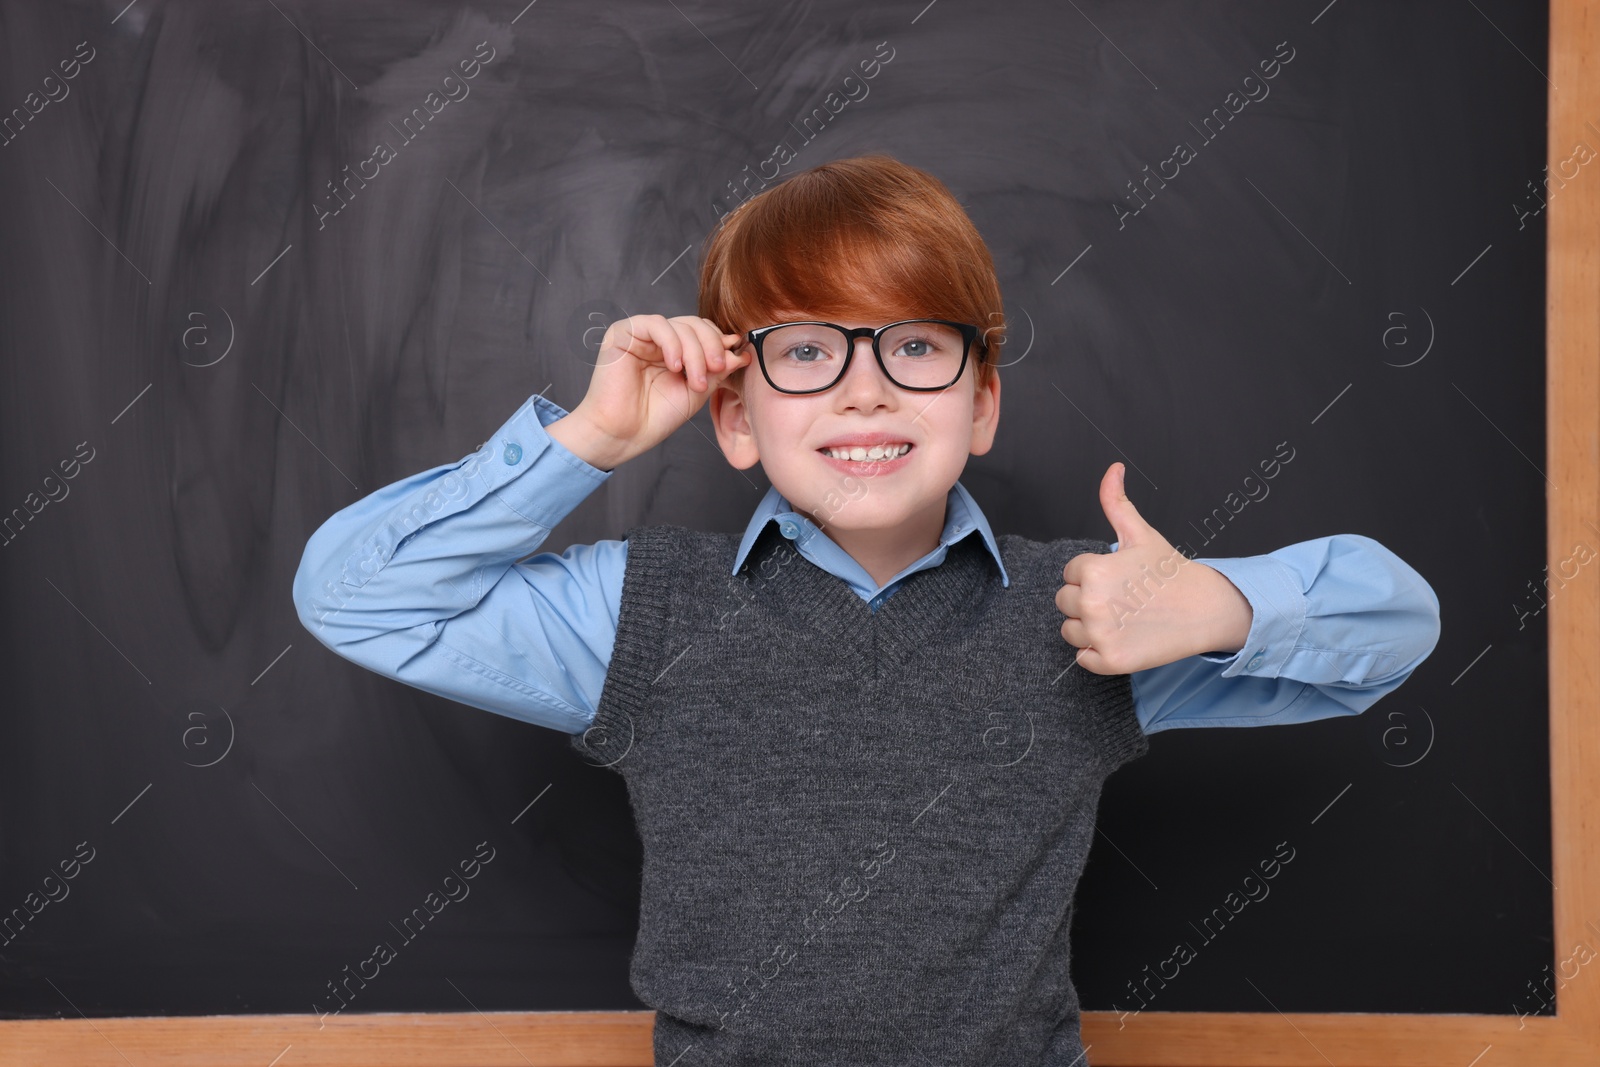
(427, 547)
(578, 435)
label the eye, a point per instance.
(917, 347)
(808, 353)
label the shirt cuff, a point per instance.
(1278, 614)
(532, 473)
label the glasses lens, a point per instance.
(803, 356)
(920, 354)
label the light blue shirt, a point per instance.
(436, 581)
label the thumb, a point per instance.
(1130, 527)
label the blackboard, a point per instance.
(207, 353)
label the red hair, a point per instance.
(866, 238)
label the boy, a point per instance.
(864, 742)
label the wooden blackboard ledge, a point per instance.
(622, 1039)
(377, 1039)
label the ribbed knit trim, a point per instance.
(638, 652)
(1108, 699)
(927, 602)
(932, 601)
(806, 596)
(1121, 736)
(1116, 723)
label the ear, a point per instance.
(985, 414)
(730, 416)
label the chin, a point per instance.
(864, 514)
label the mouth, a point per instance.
(873, 459)
(887, 450)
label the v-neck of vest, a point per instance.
(926, 602)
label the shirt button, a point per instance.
(789, 529)
(513, 453)
(1255, 660)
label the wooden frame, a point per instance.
(1179, 1039)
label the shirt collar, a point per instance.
(962, 517)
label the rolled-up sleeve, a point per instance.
(1337, 623)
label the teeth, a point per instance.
(876, 452)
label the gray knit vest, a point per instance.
(862, 831)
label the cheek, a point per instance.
(949, 422)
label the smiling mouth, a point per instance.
(877, 453)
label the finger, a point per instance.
(1069, 601)
(1130, 527)
(656, 340)
(707, 348)
(674, 342)
(670, 341)
(1074, 633)
(711, 344)
(1112, 497)
(1093, 662)
(1076, 572)
(736, 349)
(728, 342)
(694, 358)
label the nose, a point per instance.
(864, 384)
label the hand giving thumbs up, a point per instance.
(1146, 603)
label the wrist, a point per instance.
(578, 435)
(1231, 618)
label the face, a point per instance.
(786, 433)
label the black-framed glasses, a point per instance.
(923, 355)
